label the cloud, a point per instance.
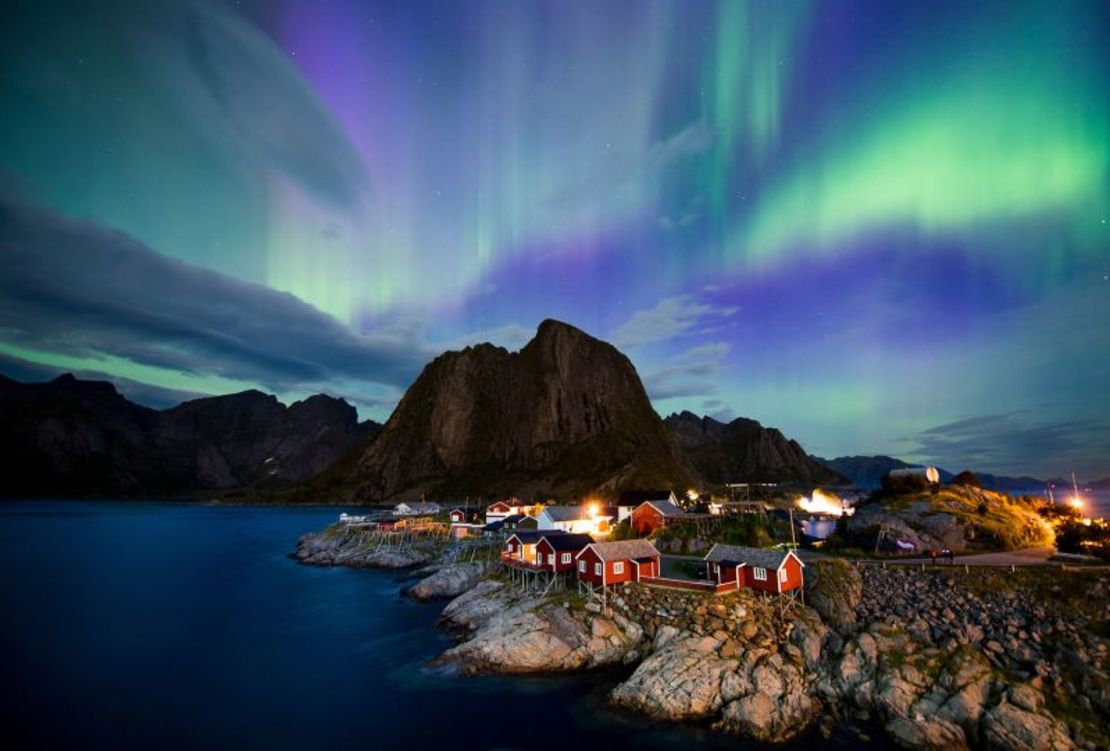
(141, 393)
(684, 374)
(511, 336)
(74, 289)
(718, 410)
(672, 317)
(1015, 442)
(239, 91)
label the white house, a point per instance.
(416, 508)
(502, 509)
(586, 520)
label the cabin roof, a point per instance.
(567, 542)
(666, 508)
(623, 550)
(530, 536)
(735, 555)
(566, 513)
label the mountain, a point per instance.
(71, 437)
(864, 471)
(565, 416)
(744, 451)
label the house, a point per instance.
(521, 546)
(587, 520)
(557, 552)
(652, 515)
(773, 571)
(629, 500)
(605, 563)
(519, 522)
(416, 508)
(464, 516)
(499, 510)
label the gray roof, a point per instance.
(565, 542)
(751, 556)
(566, 513)
(666, 508)
(530, 536)
(623, 549)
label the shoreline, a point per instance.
(852, 657)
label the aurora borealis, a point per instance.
(881, 227)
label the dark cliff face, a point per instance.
(82, 438)
(565, 415)
(744, 451)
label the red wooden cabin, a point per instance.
(652, 515)
(605, 563)
(557, 552)
(762, 570)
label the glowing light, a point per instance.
(821, 502)
(592, 510)
(1076, 502)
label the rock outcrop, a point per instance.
(565, 415)
(449, 581)
(70, 437)
(724, 452)
(510, 633)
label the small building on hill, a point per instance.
(519, 523)
(927, 475)
(771, 571)
(465, 515)
(501, 509)
(652, 515)
(630, 499)
(557, 552)
(416, 508)
(602, 564)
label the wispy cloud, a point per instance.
(685, 373)
(73, 288)
(237, 89)
(1015, 442)
(672, 317)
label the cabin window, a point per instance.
(597, 569)
(760, 574)
(581, 567)
(551, 559)
(782, 575)
(566, 557)
(618, 567)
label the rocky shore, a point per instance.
(340, 546)
(942, 660)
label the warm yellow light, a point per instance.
(823, 503)
(592, 509)
(692, 494)
(1076, 502)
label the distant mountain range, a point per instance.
(868, 471)
(69, 437)
(565, 416)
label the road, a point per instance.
(1026, 557)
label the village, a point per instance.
(591, 548)
(753, 606)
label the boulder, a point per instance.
(449, 581)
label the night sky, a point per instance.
(880, 226)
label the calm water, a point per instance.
(172, 626)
